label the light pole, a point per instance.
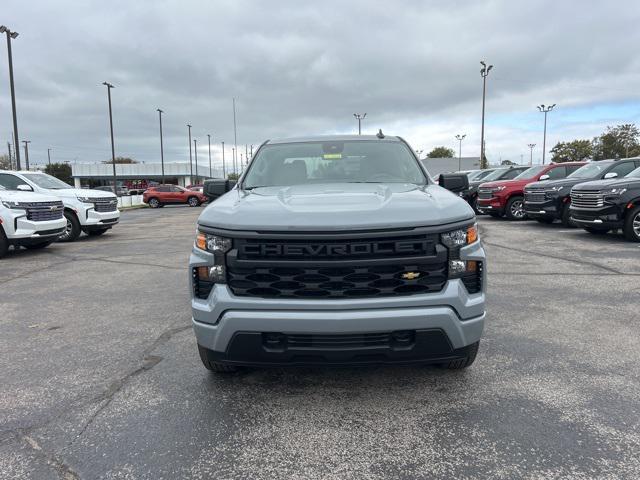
(113, 148)
(360, 117)
(195, 152)
(233, 155)
(531, 145)
(10, 156)
(209, 138)
(545, 110)
(26, 152)
(235, 137)
(224, 167)
(49, 155)
(160, 112)
(460, 138)
(484, 72)
(16, 141)
(190, 157)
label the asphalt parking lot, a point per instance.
(100, 376)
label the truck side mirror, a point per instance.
(217, 187)
(24, 188)
(610, 175)
(454, 182)
(544, 177)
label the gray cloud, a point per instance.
(299, 68)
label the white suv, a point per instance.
(89, 211)
(29, 219)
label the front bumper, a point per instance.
(549, 209)
(491, 205)
(19, 229)
(606, 218)
(233, 327)
(91, 218)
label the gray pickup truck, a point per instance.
(337, 250)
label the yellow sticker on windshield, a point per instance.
(332, 156)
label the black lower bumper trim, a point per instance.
(385, 348)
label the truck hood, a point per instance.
(81, 192)
(562, 182)
(343, 206)
(609, 183)
(507, 183)
(19, 196)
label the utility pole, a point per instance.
(359, 117)
(195, 151)
(235, 137)
(16, 141)
(210, 171)
(113, 148)
(460, 138)
(10, 159)
(224, 167)
(233, 155)
(26, 152)
(251, 152)
(190, 157)
(545, 110)
(484, 72)
(531, 145)
(160, 112)
(49, 156)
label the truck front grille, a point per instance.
(350, 268)
(107, 204)
(44, 211)
(485, 193)
(534, 196)
(587, 199)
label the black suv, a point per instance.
(549, 200)
(503, 173)
(609, 204)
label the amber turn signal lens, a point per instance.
(472, 266)
(203, 273)
(201, 241)
(472, 234)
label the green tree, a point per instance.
(4, 162)
(122, 161)
(61, 171)
(441, 152)
(233, 176)
(574, 151)
(617, 142)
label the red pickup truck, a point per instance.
(506, 197)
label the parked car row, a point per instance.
(37, 209)
(597, 196)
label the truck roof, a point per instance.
(333, 138)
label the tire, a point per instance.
(38, 246)
(474, 205)
(4, 243)
(72, 232)
(632, 225)
(97, 233)
(597, 231)
(154, 203)
(193, 201)
(545, 220)
(565, 218)
(465, 362)
(515, 209)
(214, 366)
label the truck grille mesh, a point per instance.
(105, 204)
(534, 196)
(43, 211)
(587, 199)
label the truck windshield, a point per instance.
(495, 174)
(355, 161)
(531, 172)
(590, 170)
(46, 181)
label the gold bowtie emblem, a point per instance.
(410, 275)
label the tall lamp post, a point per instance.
(235, 137)
(460, 138)
(360, 117)
(531, 145)
(210, 172)
(190, 157)
(113, 148)
(545, 110)
(16, 141)
(224, 167)
(26, 152)
(195, 152)
(160, 112)
(484, 72)
(49, 155)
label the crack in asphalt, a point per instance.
(64, 471)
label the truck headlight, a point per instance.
(498, 189)
(614, 192)
(205, 276)
(14, 205)
(85, 199)
(212, 243)
(461, 237)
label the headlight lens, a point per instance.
(212, 243)
(615, 192)
(85, 199)
(461, 237)
(556, 189)
(498, 189)
(13, 205)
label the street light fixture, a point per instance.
(545, 110)
(160, 112)
(113, 148)
(460, 138)
(360, 118)
(531, 145)
(484, 72)
(16, 141)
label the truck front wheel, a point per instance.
(72, 231)
(632, 225)
(515, 209)
(4, 243)
(465, 362)
(211, 365)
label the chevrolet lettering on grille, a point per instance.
(335, 249)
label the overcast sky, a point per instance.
(300, 68)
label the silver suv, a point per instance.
(337, 250)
